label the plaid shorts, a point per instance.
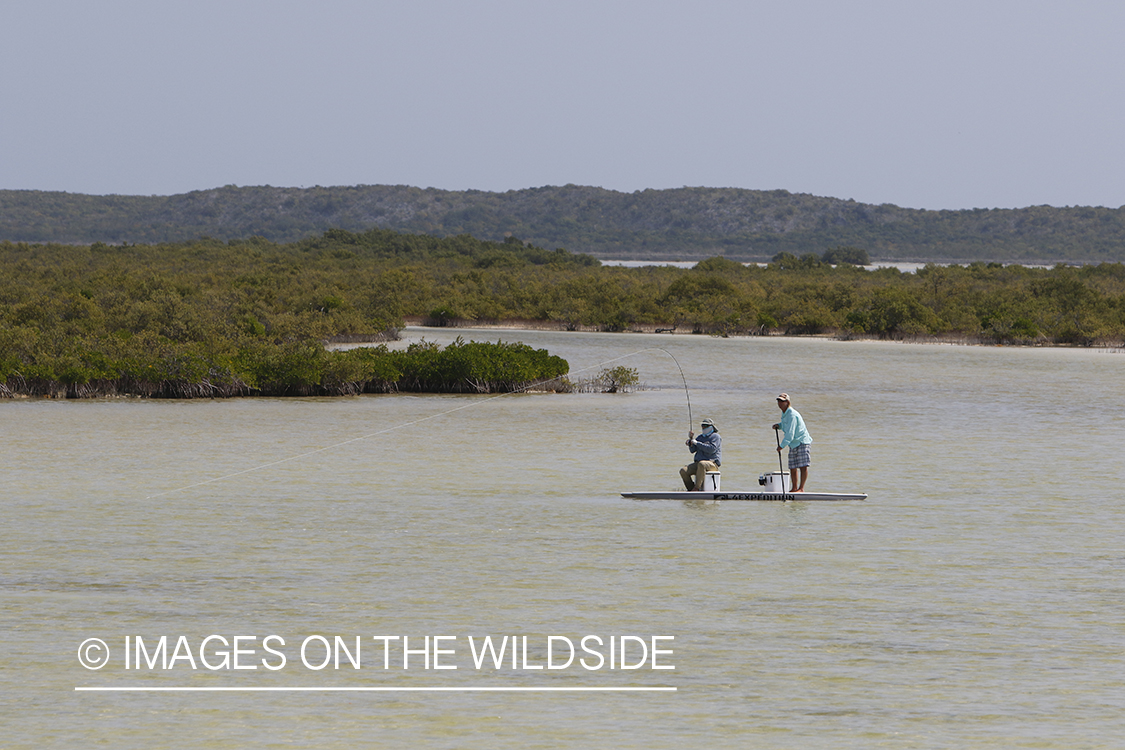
(799, 456)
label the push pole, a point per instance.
(777, 437)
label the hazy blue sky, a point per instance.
(950, 104)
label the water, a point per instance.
(911, 267)
(973, 601)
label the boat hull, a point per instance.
(736, 495)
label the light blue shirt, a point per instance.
(793, 432)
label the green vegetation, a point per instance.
(684, 223)
(210, 318)
(611, 380)
(220, 319)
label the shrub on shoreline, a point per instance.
(296, 369)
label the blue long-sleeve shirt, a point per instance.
(793, 432)
(707, 448)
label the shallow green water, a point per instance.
(973, 601)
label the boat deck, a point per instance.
(738, 495)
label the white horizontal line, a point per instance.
(132, 688)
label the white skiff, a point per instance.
(774, 486)
(739, 495)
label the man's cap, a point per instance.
(783, 397)
(707, 423)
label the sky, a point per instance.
(938, 105)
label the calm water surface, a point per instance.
(975, 600)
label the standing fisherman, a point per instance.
(797, 439)
(708, 450)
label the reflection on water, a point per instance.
(972, 601)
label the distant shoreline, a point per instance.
(544, 325)
(673, 223)
(902, 265)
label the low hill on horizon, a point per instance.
(681, 223)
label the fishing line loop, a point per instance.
(473, 403)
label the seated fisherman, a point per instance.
(708, 450)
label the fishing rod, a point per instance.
(687, 393)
